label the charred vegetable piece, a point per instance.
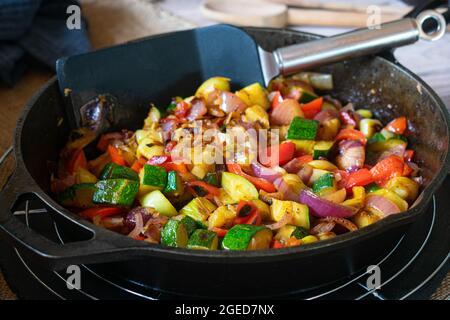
(287, 231)
(115, 171)
(174, 234)
(121, 192)
(325, 181)
(302, 129)
(404, 187)
(154, 176)
(174, 184)
(247, 237)
(299, 212)
(78, 196)
(322, 149)
(159, 202)
(199, 209)
(203, 240)
(190, 224)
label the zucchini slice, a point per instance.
(325, 181)
(190, 224)
(174, 186)
(203, 240)
(247, 237)
(159, 202)
(302, 129)
(114, 171)
(121, 192)
(78, 196)
(322, 149)
(238, 187)
(198, 209)
(174, 234)
(154, 176)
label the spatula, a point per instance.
(158, 68)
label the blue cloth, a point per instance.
(37, 29)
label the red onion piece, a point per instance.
(285, 112)
(326, 115)
(350, 226)
(305, 173)
(231, 102)
(287, 218)
(283, 187)
(293, 166)
(351, 155)
(323, 208)
(197, 110)
(268, 174)
(323, 227)
(138, 227)
(382, 204)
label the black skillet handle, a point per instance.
(104, 246)
(418, 9)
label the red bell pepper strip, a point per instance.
(312, 108)
(408, 155)
(247, 213)
(77, 160)
(103, 212)
(259, 183)
(276, 99)
(407, 170)
(397, 125)
(305, 159)
(138, 164)
(351, 134)
(182, 109)
(115, 155)
(276, 244)
(219, 231)
(387, 168)
(359, 178)
(279, 154)
(210, 190)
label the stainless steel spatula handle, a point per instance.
(356, 43)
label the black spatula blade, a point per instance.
(157, 68)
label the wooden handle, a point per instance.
(331, 18)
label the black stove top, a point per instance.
(411, 270)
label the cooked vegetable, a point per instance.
(78, 196)
(322, 149)
(119, 192)
(302, 129)
(174, 234)
(247, 237)
(238, 187)
(241, 167)
(115, 171)
(198, 209)
(203, 240)
(154, 176)
(159, 202)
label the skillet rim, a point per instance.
(319, 247)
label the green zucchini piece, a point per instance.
(307, 96)
(322, 149)
(174, 234)
(174, 185)
(376, 138)
(372, 187)
(300, 233)
(159, 202)
(114, 171)
(78, 196)
(211, 178)
(190, 224)
(365, 113)
(246, 236)
(154, 176)
(120, 192)
(302, 129)
(385, 145)
(324, 181)
(199, 209)
(203, 239)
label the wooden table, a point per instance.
(431, 61)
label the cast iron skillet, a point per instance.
(377, 83)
